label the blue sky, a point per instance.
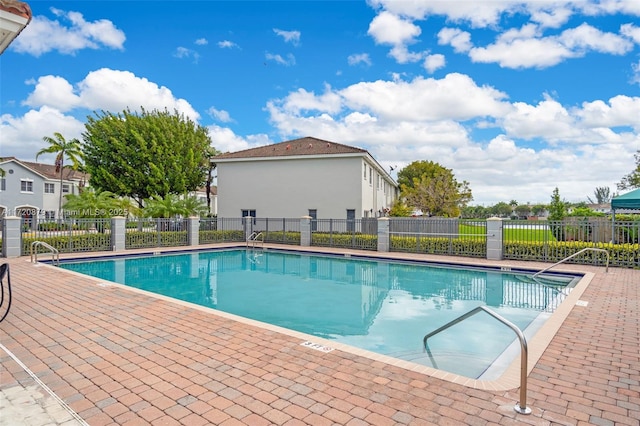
(516, 97)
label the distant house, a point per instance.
(601, 208)
(303, 177)
(201, 195)
(33, 189)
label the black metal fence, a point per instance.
(452, 237)
(548, 241)
(360, 234)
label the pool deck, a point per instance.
(76, 350)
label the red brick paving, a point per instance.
(122, 357)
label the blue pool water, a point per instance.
(381, 306)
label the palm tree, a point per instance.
(62, 148)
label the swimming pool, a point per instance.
(382, 306)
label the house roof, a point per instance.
(16, 7)
(296, 147)
(48, 171)
(14, 17)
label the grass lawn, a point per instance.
(535, 232)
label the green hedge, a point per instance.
(277, 237)
(142, 239)
(451, 246)
(70, 244)
(207, 237)
(625, 255)
(350, 240)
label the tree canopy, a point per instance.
(144, 155)
(432, 188)
(632, 180)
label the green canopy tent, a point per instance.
(628, 201)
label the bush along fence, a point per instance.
(494, 239)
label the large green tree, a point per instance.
(64, 149)
(632, 180)
(146, 154)
(432, 188)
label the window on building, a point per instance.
(50, 215)
(65, 188)
(49, 188)
(365, 171)
(3, 184)
(249, 212)
(370, 176)
(314, 219)
(26, 185)
(351, 220)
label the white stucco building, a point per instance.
(33, 189)
(306, 176)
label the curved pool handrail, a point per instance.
(55, 254)
(521, 406)
(574, 255)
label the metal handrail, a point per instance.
(521, 406)
(574, 255)
(253, 238)
(55, 254)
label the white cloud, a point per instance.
(55, 92)
(620, 111)
(387, 28)
(225, 140)
(631, 31)
(226, 44)
(219, 114)
(401, 121)
(359, 58)
(390, 29)
(434, 62)
(43, 35)
(22, 136)
(202, 42)
(279, 59)
(292, 37)
(585, 37)
(635, 78)
(455, 96)
(524, 48)
(458, 39)
(514, 48)
(109, 90)
(183, 52)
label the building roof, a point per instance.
(48, 171)
(17, 8)
(296, 147)
(14, 17)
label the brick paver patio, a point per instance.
(117, 356)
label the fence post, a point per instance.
(12, 237)
(118, 231)
(193, 231)
(494, 238)
(305, 231)
(383, 234)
